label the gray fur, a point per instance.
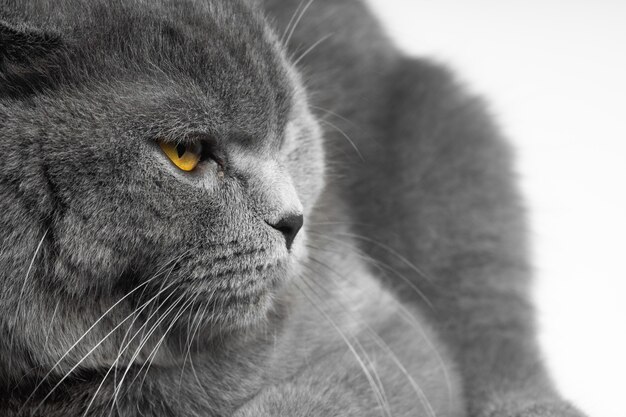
(131, 288)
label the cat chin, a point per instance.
(236, 302)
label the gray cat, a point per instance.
(261, 208)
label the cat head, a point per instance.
(159, 162)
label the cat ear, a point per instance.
(27, 58)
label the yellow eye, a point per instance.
(184, 156)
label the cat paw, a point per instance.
(552, 409)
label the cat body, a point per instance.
(131, 287)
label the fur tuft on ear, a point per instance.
(28, 59)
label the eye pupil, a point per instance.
(184, 156)
(180, 150)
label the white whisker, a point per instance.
(295, 24)
(19, 299)
(381, 343)
(374, 382)
(345, 135)
(310, 49)
(90, 351)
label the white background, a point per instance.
(555, 74)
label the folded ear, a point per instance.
(28, 59)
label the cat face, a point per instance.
(165, 152)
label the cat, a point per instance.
(252, 208)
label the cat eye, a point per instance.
(185, 156)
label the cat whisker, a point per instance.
(379, 341)
(345, 135)
(138, 311)
(143, 342)
(152, 355)
(374, 382)
(411, 320)
(288, 27)
(332, 113)
(183, 308)
(195, 375)
(406, 314)
(393, 252)
(21, 295)
(50, 326)
(381, 265)
(186, 306)
(186, 346)
(316, 284)
(125, 345)
(297, 21)
(93, 349)
(191, 336)
(193, 368)
(67, 352)
(310, 49)
(166, 278)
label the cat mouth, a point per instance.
(231, 289)
(243, 284)
(235, 298)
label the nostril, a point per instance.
(289, 226)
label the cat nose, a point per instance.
(289, 226)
